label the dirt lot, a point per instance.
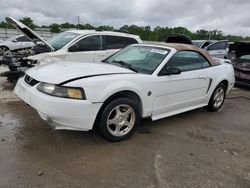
(194, 149)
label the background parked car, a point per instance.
(218, 49)
(74, 45)
(242, 63)
(16, 42)
(202, 43)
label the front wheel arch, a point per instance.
(121, 94)
(5, 47)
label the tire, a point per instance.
(119, 119)
(217, 99)
(3, 49)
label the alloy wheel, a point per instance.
(219, 97)
(121, 120)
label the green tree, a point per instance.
(28, 22)
(5, 25)
(55, 28)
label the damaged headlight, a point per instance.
(62, 91)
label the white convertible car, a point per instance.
(142, 80)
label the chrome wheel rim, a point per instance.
(121, 120)
(219, 97)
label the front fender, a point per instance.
(119, 86)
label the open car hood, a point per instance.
(179, 38)
(32, 35)
(242, 48)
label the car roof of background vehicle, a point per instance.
(32, 35)
(113, 33)
(179, 38)
(11, 38)
(205, 40)
(184, 47)
(216, 42)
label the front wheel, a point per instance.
(119, 119)
(3, 49)
(217, 99)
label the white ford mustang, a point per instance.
(142, 80)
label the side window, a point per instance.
(204, 62)
(185, 61)
(205, 45)
(91, 43)
(114, 42)
(22, 39)
(218, 46)
(129, 41)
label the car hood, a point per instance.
(242, 48)
(57, 73)
(32, 35)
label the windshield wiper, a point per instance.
(125, 65)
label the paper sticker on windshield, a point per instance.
(158, 51)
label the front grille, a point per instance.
(31, 81)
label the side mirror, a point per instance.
(14, 40)
(74, 48)
(170, 71)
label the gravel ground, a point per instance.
(193, 149)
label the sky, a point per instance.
(230, 16)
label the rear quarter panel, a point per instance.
(219, 73)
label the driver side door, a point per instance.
(176, 93)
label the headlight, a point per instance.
(62, 91)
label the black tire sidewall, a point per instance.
(104, 115)
(5, 47)
(211, 106)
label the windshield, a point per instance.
(245, 59)
(13, 38)
(62, 39)
(142, 59)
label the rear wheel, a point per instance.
(119, 119)
(217, 98)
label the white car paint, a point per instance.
(95, 56)
(17, 42)
(171, 94)
(218, 49)
(64, 53)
